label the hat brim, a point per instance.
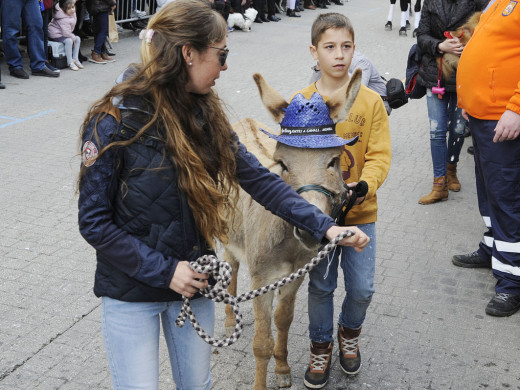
(312, 141)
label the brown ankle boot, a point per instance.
(439, 191)
(96, 58)
(349, 355)
(317, 373)
(451, 177)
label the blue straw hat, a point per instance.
(307, 124)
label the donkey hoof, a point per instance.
(284, 380)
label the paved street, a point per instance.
(426, 327)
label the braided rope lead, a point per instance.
(221, 272)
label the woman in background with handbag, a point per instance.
(438, 16)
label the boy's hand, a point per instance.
(358, 241)
(360, 199)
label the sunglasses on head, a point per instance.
(223, 55)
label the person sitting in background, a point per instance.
(61, 29)
(11, 26)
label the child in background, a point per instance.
(368, 160)
(61, 29)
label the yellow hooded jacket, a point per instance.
(369, 159)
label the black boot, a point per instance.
(292, 13)
(81, 57)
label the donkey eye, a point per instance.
(284, 167)
(333, 163)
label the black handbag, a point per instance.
(395, 93)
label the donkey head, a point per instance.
(308, 150)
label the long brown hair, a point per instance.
(206, 168)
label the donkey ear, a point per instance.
(340, 103)
(272, 100)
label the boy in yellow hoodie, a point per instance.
(368, 160)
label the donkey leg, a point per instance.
(283, 318)
(263, 342)
(232, 289)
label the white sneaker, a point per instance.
(137, 14)
(78, 64)
(73, 66)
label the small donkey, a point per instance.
(271, 247)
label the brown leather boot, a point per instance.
(349, 355)
(439, 191)
(317, 373)
(451, 177)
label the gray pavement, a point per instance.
(426, 327)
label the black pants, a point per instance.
(259, 5)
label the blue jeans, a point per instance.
(131, 335)
(11, 25)
(100, 29)
(444, 117)
(358, 274)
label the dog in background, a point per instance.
(450, 62)
(243, 22)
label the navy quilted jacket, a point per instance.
(133, 213)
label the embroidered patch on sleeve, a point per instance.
(509, 8)
(89, 153)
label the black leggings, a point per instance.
(404, 5)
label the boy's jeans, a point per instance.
(444, 117)
(131, 335)
(358, 274)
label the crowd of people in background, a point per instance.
(485, 91)
(35, 23)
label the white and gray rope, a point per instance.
(221, 272)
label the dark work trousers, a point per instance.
(497, 173)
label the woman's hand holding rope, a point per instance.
(358, 240)
(186, 281)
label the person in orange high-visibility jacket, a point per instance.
(488, 90)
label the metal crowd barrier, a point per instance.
(132, 10)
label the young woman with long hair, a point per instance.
(161, 170)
